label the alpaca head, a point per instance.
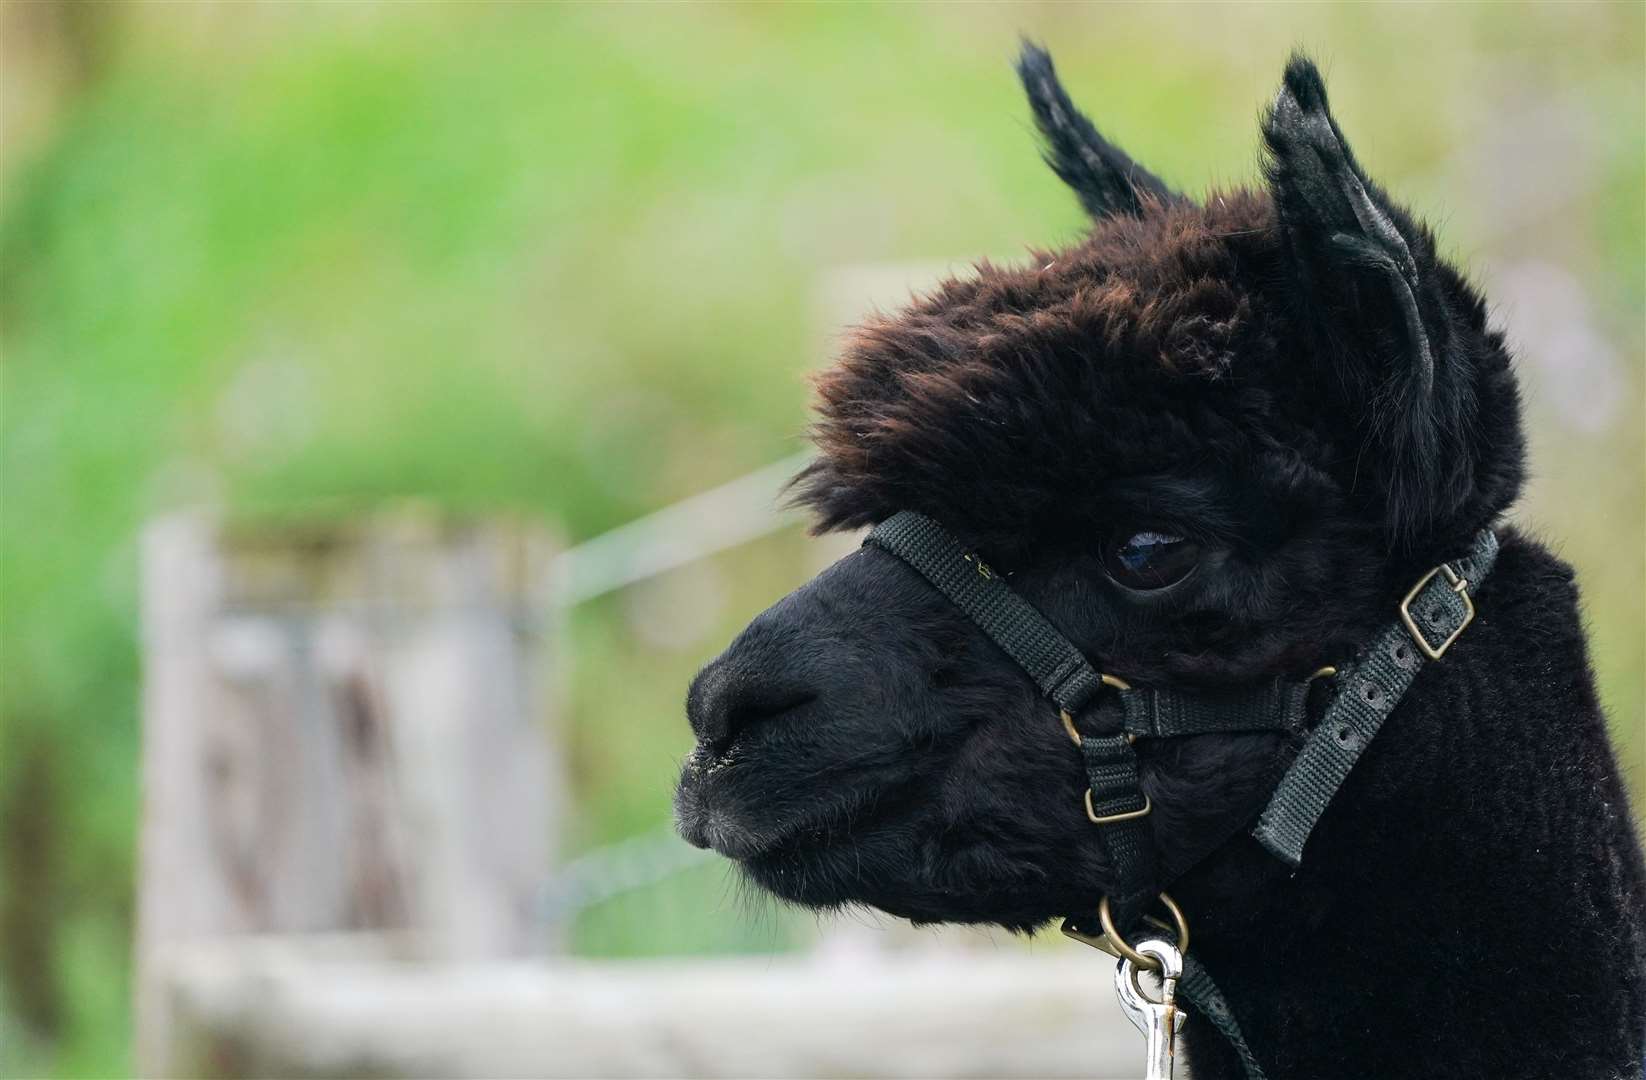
(1211, 442)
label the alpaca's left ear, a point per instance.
(1366, 291)
(1106, 180)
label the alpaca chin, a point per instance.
(703, 824)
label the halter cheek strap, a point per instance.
(1115, 798)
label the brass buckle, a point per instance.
(1124, 815)
(1116, 946)
(1074, 736)
(1460, 585)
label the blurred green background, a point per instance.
(573, 260)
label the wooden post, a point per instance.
(344, 728)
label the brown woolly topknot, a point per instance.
(999, 380)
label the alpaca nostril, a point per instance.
(724, 702)
(733, 717)
(744, 715)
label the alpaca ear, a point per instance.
(1364, 277)
(1346, 242)
(1106, 180)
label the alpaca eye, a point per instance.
(1150, 560)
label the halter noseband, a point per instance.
(1105, 715)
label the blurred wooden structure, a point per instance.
(348, 811)
(311, 1008)
(343, 730)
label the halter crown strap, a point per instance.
(1432, 616)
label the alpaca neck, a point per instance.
(1472, 903)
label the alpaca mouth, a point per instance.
(718, 829)
(707, 815)
(702, 816)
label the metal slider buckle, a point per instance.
(1460, 585)
(1125, 815)
(1092, 815)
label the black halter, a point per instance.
(1105, 715)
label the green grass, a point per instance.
(564, 260)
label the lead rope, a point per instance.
(1432, 616)
(1199, 990)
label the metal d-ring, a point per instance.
(1068, 721)
(1148, 963)
(1068, 725)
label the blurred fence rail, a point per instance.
(309, 1008)
(343, 731)
(736, 512)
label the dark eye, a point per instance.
(1150, 560)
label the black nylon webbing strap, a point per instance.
(1198, 989)
(1011, 622)
(1279, 705)
(1368, 689)
(1057, 667)
(1111, 771)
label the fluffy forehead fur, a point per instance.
(1008, 400)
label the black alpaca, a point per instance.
(1214, 444)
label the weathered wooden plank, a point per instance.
(281, 1008)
